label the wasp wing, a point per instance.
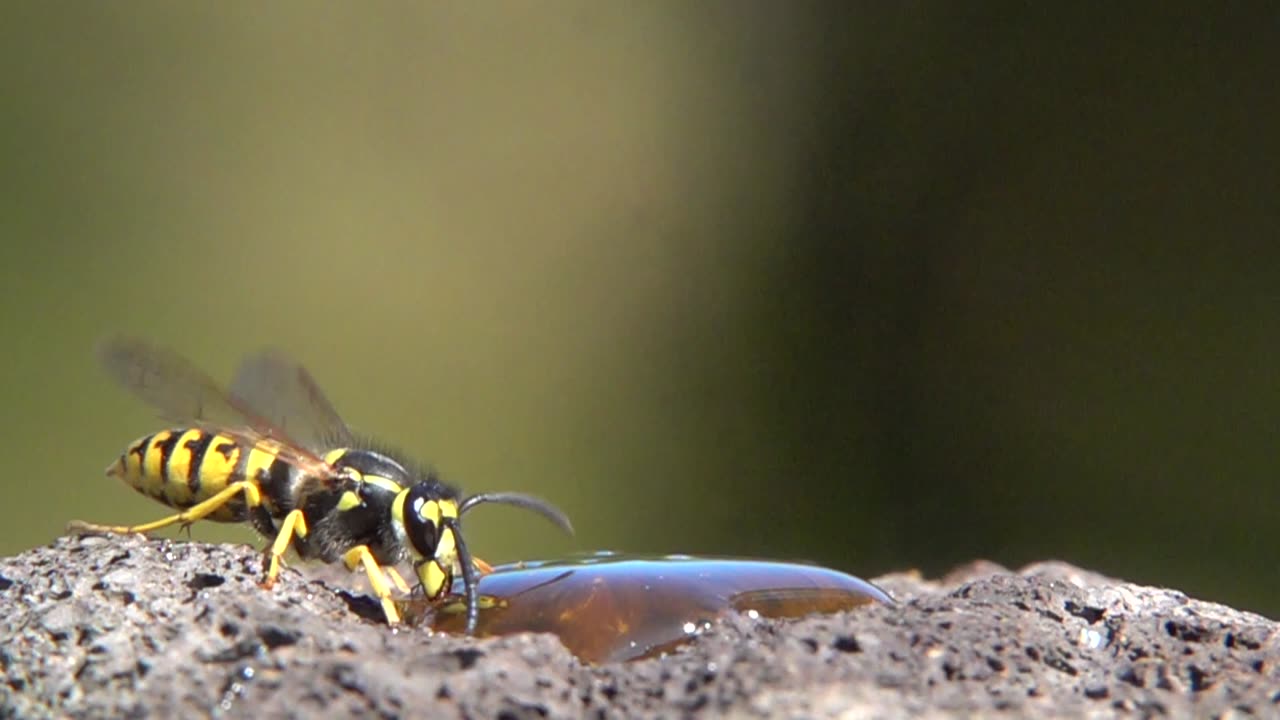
(282, 391)
(184, 394)
(168, 382)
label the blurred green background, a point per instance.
(878, 285)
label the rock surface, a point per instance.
(131, 627)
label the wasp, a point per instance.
(272, 451)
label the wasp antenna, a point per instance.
(468, 574)
(521, 500)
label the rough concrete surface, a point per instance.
(130, 627)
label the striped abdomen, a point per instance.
(182, 467)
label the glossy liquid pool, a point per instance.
(612, 608)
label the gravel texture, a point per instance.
(131, 627)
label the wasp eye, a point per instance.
(422, 522)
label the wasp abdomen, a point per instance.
(183, 467)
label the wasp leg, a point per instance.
(200, 510)
(484, 567)
(397, 579)
(294, 524)
(360, 555)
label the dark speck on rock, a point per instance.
(274, 636)
(467, 657)
(1090, 615)
(247, 648)
(1187, 631)
(846, 643)
(984, 641)
(348, 678)
(201, 581)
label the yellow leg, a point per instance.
(200, 510)
(360, 555)
(397, 579)
(484, 567)
(294, 524)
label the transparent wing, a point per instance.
(168, 382)
(184, 394)
(280, 390)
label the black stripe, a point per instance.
(166, 447)
(198, 447)
(140, 449)
(228, 448)
(276, 483)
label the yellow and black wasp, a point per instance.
(272, 451)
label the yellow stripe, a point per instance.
(260, 459)
(348, 500)
(385, 483)
(224, 473)
(152, 467)
(447, 548)
(128, 467)
(433, 579)
(216, 469)
(177, 490)
(397, 509)
(431, 511)
(333, 456)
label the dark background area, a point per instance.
(876, 285)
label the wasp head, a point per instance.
(431, 528)
(430, 517)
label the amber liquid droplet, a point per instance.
(610, 608)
